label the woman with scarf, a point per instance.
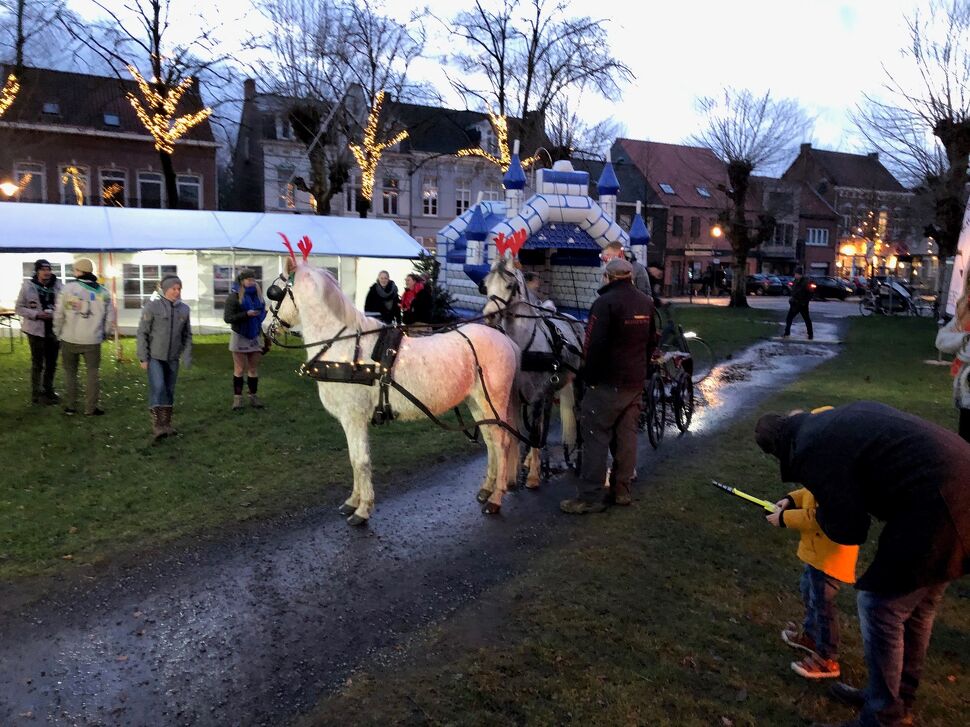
(35, 306)
(383, 299)
(416, 302)
(954, 338)
(244, 312)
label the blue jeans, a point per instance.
(896, 634)
(161, 382)
(821, 617)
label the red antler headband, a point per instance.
(288, 246)
(305, 245)
(513, 243)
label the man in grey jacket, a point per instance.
(35, 306)
(164, 336)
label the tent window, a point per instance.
(223, 278)
(140, 281)
(150, 190)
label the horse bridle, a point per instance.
(514, 291)
(278, 294)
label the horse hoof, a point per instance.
(356, 520)
(346, 509)
(483, 495)
(491, 508)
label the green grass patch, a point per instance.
(669, 613)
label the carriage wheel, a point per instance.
(656, 419)
(683, 401)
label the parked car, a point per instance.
(757, 284)
(787, 281)
(777, 286)
(824, 287)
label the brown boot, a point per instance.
(167, 420)
(237, 402)
(158, 428)
(256, 403)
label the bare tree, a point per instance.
(136, 35)
(33, 22)
(923, 128)
(571, 136)
(529, 54)
(748, 133)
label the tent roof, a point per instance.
(25, 227)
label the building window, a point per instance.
(883, 223)
(784, 235)
(351, 192)
(63, 271)
(463, 197)
(30, 178)
(668, 189)
(190, 191)
(491, 195)
(140, 281)
(389, 195)
(695, 226)
(150, 190)
(223, 278)
(677, 228)
(817, 236)
(847, 219)
(114, 184)
(285, 194)
(703, 192)
(113, 120)
(429, 197)
(52, 108)
(74, 183)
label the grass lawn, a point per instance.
(79, 490)
(669, 613)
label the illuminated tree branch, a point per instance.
(157, 115)
(368, 154)
(9, 93)
(500, 126)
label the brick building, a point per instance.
(80, 142)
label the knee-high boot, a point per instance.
(167, 412)
(158, 426)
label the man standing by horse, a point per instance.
(620, 336)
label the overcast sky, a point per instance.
(825, 53)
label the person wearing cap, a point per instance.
(35, 306)
(81, 323)
(164, 336)
(640, 275)
(801, 295)
(244, 312)
(866, 460)
(620, 336)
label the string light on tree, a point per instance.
(9, 93)
(500, 126)
(368, 154)
(157, 114)
(73, 175)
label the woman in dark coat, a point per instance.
(383, 299)
(416, 303)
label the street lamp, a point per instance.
(9, 189)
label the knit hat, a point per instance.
(768, 431)
(42, 263)
(168, 281)
(246, 273)
(619, 268)
(83, 265)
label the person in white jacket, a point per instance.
(954, 338)
(82, 322)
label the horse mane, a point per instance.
(336, 300)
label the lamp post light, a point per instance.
(9, 189)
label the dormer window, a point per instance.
(703, 192)
(52, 108)
(667, 188)
(112, 120)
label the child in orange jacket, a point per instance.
(827, 566)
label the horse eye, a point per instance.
(275, 293)
(481, 288)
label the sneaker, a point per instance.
(52, 397)
(815, 667)
(581, 507)
(797, 639)
(842, 692)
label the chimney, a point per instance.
(249, 89)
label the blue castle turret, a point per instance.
(475, 234)
(639, 236)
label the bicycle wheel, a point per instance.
(867, 307)
(683, 401)
(701, 358)
(656, 410)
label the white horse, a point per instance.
(539, 333)
(439, 370)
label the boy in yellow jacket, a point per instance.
(827, 566)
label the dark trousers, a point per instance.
(609, 421)
(821, 617)
(896, 633)
(72, 353)
(43, 364)
(793, 310)
(965, 424)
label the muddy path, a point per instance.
(254, 627)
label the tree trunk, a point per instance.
(363, 206)
(20, 41)
(171, 183)
(739, 281)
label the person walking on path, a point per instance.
(620, 336)
(81, 323)
(865, 460)
(954, 338)
(244, 312)
(827, 566)
(384, 300)
(35, 306)
(164, 336)
(801, 295)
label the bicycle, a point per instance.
(889, 305)
(673, 338)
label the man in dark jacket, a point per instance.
(867, 459)
(801, 294)
(620, 336)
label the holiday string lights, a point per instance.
(73, 175)
(9, 93)
(157, 115)
(368, 154)
(500, 126)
